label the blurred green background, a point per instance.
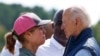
(8, 13)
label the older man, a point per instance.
(76, 27)
(54, 46)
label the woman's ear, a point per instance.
(27, 34)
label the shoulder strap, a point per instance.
(92, 51)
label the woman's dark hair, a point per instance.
(10, 40)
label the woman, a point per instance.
(29, 32)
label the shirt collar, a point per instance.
(56, 44)
(26, 51)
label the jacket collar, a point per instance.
(79, 41)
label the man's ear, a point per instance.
(78, 21)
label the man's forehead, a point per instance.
(66, 14)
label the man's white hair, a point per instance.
(78, 12)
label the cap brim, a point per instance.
(43, 22)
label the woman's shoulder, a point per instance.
(25, 52)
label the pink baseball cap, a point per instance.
(27, 21)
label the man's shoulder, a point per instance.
(45, 45)
(43, 49)
(83, 52)
(91, 42)
(47, 42)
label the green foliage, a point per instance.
(96, 30)
(8, 13)
(2, 32)
(51, 13)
